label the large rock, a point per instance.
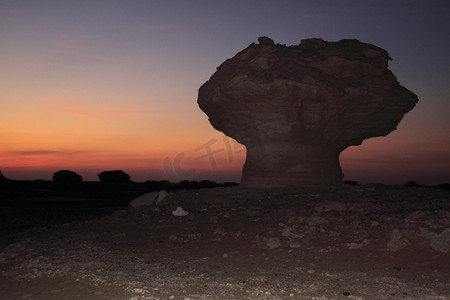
(66, 177)
(114, 177)
(297, 108)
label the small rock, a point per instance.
(290, 232)
(374, 224)
(295, 245)
(312, 221)
(162, 197)
(441, 242)
(273, 243)
(144, 200)
(138, 290)
(286, 232)
(354, 245)
(179, 212)
(396, 242)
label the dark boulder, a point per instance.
(66, 177)
(114, 177)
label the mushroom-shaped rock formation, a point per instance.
(296, 108)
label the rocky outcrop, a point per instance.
(296, 108)
(67, 177)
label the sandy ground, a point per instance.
(357, 242)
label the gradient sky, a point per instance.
(103, 85)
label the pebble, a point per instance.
(295, 245)
(354, 245)
(312, 221)
(273, 243)
(179, 212)
(138, 290)
(396, 242)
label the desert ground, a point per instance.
(352, 242)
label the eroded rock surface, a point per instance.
(296, 108)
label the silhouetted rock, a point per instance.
(351, 182)
(158, 184)
(412, 184)
(66, 177)
(114, 177)
(297, 108)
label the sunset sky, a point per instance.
(102, 85)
